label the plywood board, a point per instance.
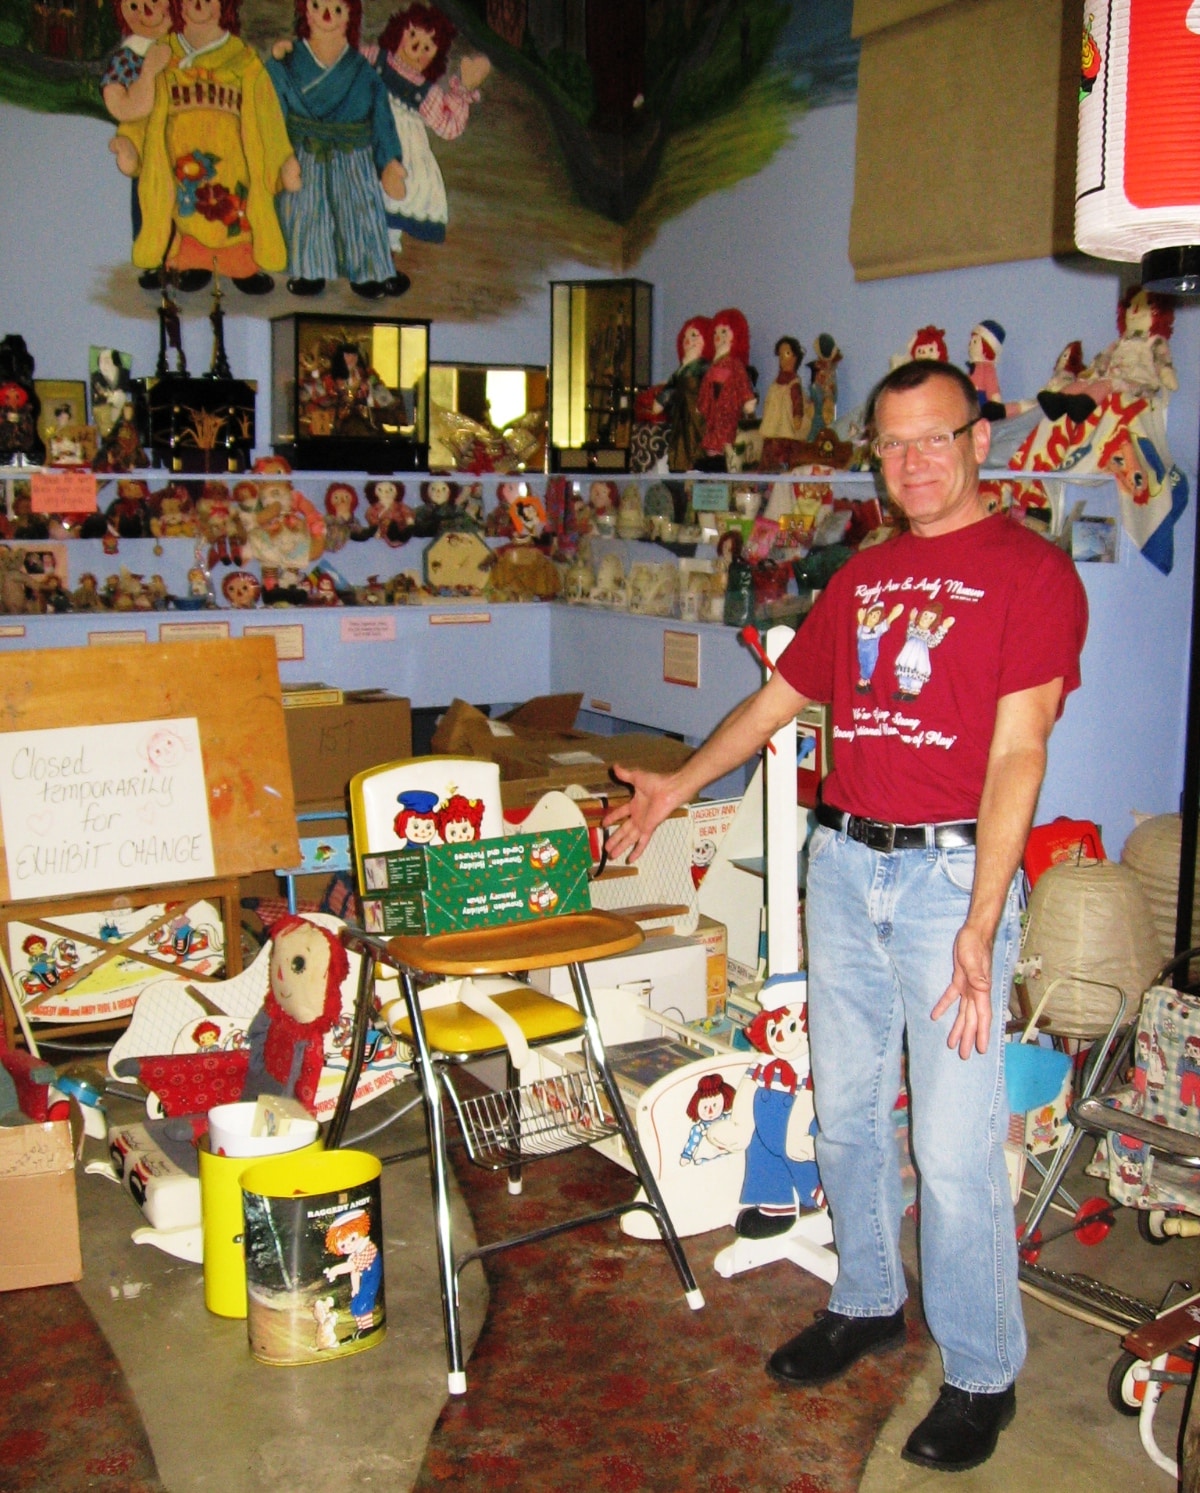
(230, 687)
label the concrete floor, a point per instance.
(220, 1422)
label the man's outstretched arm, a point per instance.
(746, 730)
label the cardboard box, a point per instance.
(39, 1219)
(328, 744)
(480, 884)
(670, 972)
(538, 748)
(714, 937)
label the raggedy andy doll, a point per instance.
(776, 1096)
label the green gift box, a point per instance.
(479, 884)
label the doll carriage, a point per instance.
(1149, 1128)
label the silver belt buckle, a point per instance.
(878, 836)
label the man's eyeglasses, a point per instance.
(892, 448)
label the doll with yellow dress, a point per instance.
(216, 152)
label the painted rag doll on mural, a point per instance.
(315, 160)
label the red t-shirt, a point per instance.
(914, 641)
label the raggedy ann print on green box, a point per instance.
(516, 879)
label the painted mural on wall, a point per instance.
(470, 143)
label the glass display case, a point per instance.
(350, 393)
(489, 409)
(599, 357)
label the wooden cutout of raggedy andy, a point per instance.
(771, 1117)
(340, 124)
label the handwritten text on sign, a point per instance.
(91, 807)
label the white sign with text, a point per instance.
(86, 808)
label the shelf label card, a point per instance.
(289, 639)
(192, 632)
(681, 658)
(375, 627)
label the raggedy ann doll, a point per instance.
(308, 968)
(438, 510)
(726, 393)
(388, 515)
(215, 154)
(341, 505)
(679, 397)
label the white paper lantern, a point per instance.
(1138, 167)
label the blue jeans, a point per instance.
(881, 932)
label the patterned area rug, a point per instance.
(591, 1371)
(67, 1419)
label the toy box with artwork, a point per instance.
(478, 884)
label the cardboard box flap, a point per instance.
(545, 713)
(36, 1150)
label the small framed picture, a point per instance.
(64, 402)
(110, 375)
(1094, 539)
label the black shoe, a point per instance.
(150, 280)
(831, 1344)
(257, 284)
(299, 286)
(189, 280)
(369, 290)
(396, 284)
(961, 1430)
(753, 1223)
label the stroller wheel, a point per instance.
(1150, 1225)
(1125, 1394)
(1094, 1221)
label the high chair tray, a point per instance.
(571, 939)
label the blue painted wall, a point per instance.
(775, 246)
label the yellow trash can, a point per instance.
(221, 1221)
(313, 1233)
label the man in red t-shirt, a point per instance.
(946, 654)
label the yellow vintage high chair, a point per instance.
(464, 1019)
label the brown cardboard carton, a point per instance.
(328, 744)
(39, 1220)
(538, 749)
(715, 938)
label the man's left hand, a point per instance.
(971, 987)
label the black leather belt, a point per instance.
(877, 835)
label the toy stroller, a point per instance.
(1151, 1126)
